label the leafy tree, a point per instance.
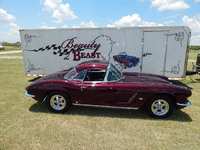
(194, 47)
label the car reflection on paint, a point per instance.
(101, 84)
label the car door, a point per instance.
(97, 93)
(90, 88)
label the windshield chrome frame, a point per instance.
(73, 69)
(81, 80)
(108, 70)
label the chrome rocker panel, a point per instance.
(75, 104)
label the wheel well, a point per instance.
(45, 96)
(165, 94)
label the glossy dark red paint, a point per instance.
(119, 93)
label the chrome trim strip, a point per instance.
(44, 99)
(108, 69)
(132, 98)
(181, 104)
(29, 95)
(104, 106)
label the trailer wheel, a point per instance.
(58, 102)
(159, 106)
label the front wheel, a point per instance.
(159, 106)
(58, 102)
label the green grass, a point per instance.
(193, 54)
(28, 124)
(11, 54)
(11, 48)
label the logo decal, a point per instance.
(174, 69)
(178, 37)
(71, 46)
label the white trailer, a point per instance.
(161, 50)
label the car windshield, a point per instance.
(71, 74)
(114, 74)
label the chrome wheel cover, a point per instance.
(160, 107)
(58, 102)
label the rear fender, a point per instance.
(171, 96)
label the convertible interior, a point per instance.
(95, 75)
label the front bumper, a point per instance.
(184, 104)
(30, 95)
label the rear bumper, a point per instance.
(29, 95)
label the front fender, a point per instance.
(40, 91)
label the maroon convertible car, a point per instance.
(101, 84)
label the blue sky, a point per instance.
(42, 14)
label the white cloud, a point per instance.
(47, 27)
(64, 26)
(196, 1)
(11, 32)
(149, 24)
(85, 25)
(5, 17)
(169, 4)
(75, 26)
(51, 5)
(130, 21)
(109, 25)
(60, 11)
(195, 40)
(194, 24)
(88, 25)
(169, 22)
(12, 35)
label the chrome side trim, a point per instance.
(132, 98)
(104, 106)
(181, 104)
(29, 95)
(44, 99)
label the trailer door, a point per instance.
(153, 52)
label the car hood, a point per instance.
(147, 79)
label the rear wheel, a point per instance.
(159, 106)
(58, 102)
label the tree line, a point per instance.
(17, 44)
(194, 47)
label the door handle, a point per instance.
(146, 54)
(83, 87)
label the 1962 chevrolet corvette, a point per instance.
(101, 84)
